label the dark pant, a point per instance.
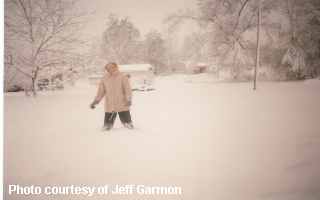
(125, 117)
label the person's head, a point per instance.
(111, 67)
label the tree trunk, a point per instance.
(50, 86)
(72, 79)
(35, 86)
(27, 89)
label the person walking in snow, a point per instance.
(116, 89)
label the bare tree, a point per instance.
(40, 34)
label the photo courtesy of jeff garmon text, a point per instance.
(129, 189)
(161, 100)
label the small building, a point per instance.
(141, 76)
(94, 79)
(137, 70)
(54, 81)
(54, 78)
(57, 77)
(141, 71)
(179, 68)
(200, 67)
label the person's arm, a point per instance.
(100, 94)
(127, 91)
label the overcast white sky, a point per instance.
(144, 14)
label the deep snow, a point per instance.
(213, 140)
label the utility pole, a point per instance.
(258, 47)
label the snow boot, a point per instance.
(129, 125)
(106, 127)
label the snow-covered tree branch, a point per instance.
(41, 34)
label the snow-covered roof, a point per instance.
(183, 62)
(135, 68)
(198, 64)
(95, 76)
(201, 64)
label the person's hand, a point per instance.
(93, 104)
(128, 103)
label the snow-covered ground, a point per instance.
(213, 140)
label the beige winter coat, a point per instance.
(116, 89)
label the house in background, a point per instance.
(57, 77)
(50, 82)
(135, 71)
(54, 78)
(94, 79)
(181, 68)
(200, 67)
(141, 76)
